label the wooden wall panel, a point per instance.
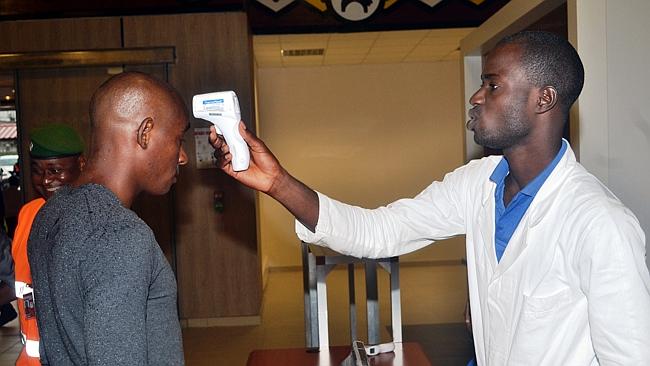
(60, 34)
(62, 95)
(218, 265)
(54, 96)
(217, 258)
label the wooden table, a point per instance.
(406, 354)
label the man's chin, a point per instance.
(486, 143)
(480, 141)
(160, 191)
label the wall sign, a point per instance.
(349, 10)
(282, 16)
(204, 151)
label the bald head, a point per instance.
(130, 94)
(137, 128)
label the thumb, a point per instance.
(249, 137)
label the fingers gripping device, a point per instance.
(222, 110)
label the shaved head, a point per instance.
(129, 94)
(137, 127)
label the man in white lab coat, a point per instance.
(555, 262)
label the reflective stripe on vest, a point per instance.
(22, 289)
(31, 347)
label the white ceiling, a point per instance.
(360, 48)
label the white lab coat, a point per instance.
(572, 287)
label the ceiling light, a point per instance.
(303, 52)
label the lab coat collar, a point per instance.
(489, 185)
(567, 159)
(546, 196)
(544, 199)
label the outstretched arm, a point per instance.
(265, 174)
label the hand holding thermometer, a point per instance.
(222, 110)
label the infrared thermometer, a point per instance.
(222, 110)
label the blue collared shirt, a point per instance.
(508, 218)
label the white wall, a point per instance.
(363, 134)
(612, 39)
(471, 82)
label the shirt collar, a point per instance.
(501, 171)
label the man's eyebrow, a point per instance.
(488, 76)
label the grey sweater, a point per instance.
(104, 292)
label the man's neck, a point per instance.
(526, 162)
(118, 184)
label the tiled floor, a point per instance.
(430, 295)
(9, 342)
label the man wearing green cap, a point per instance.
(56, 160)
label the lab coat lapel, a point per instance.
(525, 232)
(486, 224)
(541, 242)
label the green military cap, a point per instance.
(55, 141)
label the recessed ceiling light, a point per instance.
(303, 52)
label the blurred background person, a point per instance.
(57, 159)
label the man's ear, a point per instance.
(547, 99)
(81, 160)
(144, 132)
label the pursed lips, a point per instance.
(474, 114)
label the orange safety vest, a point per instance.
(29, 355)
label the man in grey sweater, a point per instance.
(104, 292)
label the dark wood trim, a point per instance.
(85, 58)
(44, 9)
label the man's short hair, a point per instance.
(550, 60)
